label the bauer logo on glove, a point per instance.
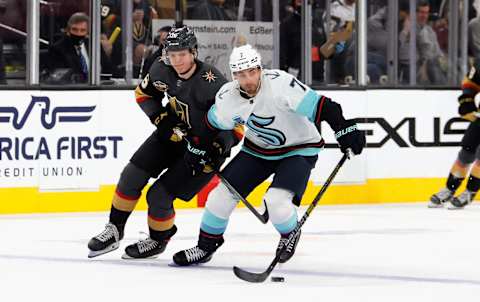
(349, 137)
(346, 131)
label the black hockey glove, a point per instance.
(349, 137)
(204, 158)
(169, 126)
(467, 107)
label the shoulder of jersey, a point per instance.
(212, 75)
(227, 91)
(276, 74)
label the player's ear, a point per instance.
(194, 53)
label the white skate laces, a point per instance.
(145, 245)
(194, 254)
(109, 232)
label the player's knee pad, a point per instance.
(132, 180)
(279, 204)
(159, 200)
(221, 202)
(471, 138)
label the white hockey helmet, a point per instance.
(244, 57)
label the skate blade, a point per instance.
(435, 206)
(126, 257)
(110, 248)
(451, 207)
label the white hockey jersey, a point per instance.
(280, 119)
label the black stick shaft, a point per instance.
(262, 217)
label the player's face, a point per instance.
(181, 60)
(249, 79)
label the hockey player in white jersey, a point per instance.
(283, 117)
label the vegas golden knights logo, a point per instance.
(181, 109)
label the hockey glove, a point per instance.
(169, 126)
(467, 107)
(349, 137)
(204, 158)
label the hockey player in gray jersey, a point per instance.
(283, 117)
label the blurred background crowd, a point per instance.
(437, 51)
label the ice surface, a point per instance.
(399, 252)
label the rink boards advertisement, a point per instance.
(64, 150)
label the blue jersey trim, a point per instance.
(212, 119)
(308, 105)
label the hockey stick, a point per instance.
(260, 277)
(262, 217)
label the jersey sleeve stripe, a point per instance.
(308, 105)
(319, 110)
(468, 84)
(214, 121)
(207, 122)
(141, 96)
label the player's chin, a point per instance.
(180, 69)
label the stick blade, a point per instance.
(250, 277)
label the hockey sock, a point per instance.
(286, 226)
(473, 184)
(162, 235)
(453, 182)
(282, 211)
(212, 224)
(163, 223)
(119, 218)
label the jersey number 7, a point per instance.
(295, 81)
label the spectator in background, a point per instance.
(341, 12)
(404, 42)
(149, 12)
(290, 43)
(111, 21)
(139, 34)
(474, 32)
(69, 56)
(377, 46)
(158, 42)
(166, 8)
(431, 59)
(210, 10)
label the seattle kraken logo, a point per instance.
(48, 117)
(271, 136)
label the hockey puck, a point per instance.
(277, 279)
